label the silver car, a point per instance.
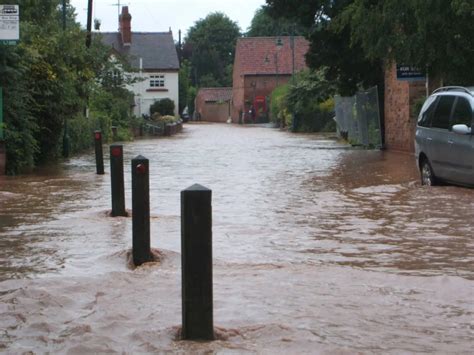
(444, 142)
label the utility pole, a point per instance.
(66, 141)
(89, 24)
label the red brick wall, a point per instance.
(250, 86)
(400, 118)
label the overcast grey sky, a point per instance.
(160, 15)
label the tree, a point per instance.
(431, 34)
(331, 45)
(164, 107)
(264, 25)
(46, 78)
(355, 38)
(211, 42)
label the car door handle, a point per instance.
(450, 142)
(429, 139)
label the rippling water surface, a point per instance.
(317, 249)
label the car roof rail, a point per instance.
(453, 88)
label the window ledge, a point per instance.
(157, 90)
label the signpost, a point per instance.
(9, 24)
(409, 73)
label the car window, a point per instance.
(442, 112)
(462, 112)
(426, 113)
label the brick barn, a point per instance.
(213, 104)
(260, 65)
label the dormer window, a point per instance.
(157, 81)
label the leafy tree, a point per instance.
(331, 45)
(431, 34)
(184, 84)
(47, 79)
(354, 38)
(211, 42)
(264, 25)
(164, 107)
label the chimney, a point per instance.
(125, 26)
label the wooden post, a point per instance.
(141, 210)
(99, 156)
(117, 181)
(196, 263)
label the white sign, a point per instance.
(9, 22)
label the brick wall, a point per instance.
(400, 118)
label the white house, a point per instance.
(153, 55)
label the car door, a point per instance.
(462, 145)
(439, 151)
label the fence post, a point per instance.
(99, 156)
(196, 263)
(117, 181)
(141, 210)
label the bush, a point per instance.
(278, 104)
(164, 119)
(163, 107)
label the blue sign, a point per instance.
(410, 73)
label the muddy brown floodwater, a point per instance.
(317, 249)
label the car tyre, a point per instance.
(428, 178)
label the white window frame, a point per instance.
(157, 81)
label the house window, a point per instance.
(157, 81)
(117, 77)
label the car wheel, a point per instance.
(427, 176)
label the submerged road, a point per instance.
(317, 249)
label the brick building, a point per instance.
(213, 104)
(260, 65)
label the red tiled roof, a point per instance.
(261, 55)
(215, 94)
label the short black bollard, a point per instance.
(141, 210)
(196, 263)
(116, 180)
(99, 156)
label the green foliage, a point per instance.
(19, 126)
(354, 38)
(309, 99)
(429, 34)
(164, 119)
(192, 92)
(211, 43)
(184, 84)
(264, 25)
(278, 104)
(47, 79)
(163, 107)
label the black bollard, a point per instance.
(196, 263)
(99, 156)
(141, 210)
(116, 180)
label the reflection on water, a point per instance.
(316, 247)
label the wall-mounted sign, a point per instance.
(9, 24)
(408, 72)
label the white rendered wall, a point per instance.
(144, 99)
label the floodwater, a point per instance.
(317, 249)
